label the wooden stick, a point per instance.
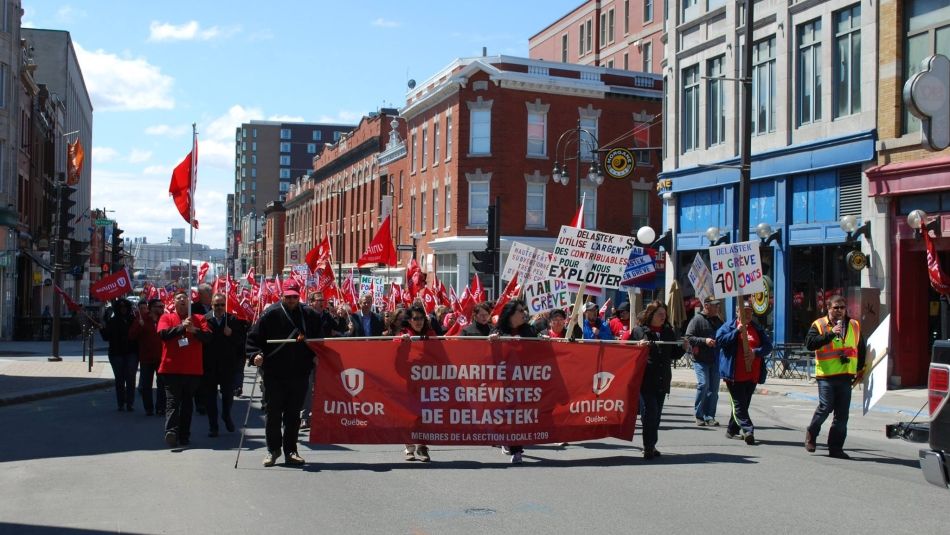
(578, 304)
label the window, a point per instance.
(244, 132)
(412, 214)
(435, 208)
(809, 72)
(762, 201)
(610, 26)
(647, 57)
(534, 206)
(448, 205)
(448, 137)
(477, 203)
(537, 130)
(253, 146)
(589, 195)
(590, 35)
(254, 159)
(603, 29)
(690, 115)
(588, 141)
(626, 17)
(254, 133)
(284, 133)
(690, 9)
(254, 172)
(422, 197)
(715, 103)
(285, 173)
(713, 4)
(425, 146)
(846, 71)
(564, 48)
(4, 74)
(436, 143)
(581, 41)
(647, 10)
(480, 131)
(317, 135)
(763, 86)
(446, 269)
(311, 148)
(415, 153)
(285, 147)
(927, 33)
(610, 64)
(284, 187)
(336, 136)
(626, 61)
(815, 198)
(284, 159)
(701, 209)
(641, 209)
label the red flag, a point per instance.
(478, 292)
(319, 255)
(203, 272)
(349, 292)
(412, 269)
(428, 299)
(454, 301)
(251, 278)
(938, 279)
(441, 294)
(511, 292)
(395, 296)
(381, 250)
(460, 323)
(70, 304)
(603, 309)
(74, 157)
(182, 187)
(578, 221)
(111, 287)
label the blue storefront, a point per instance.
(800, 191)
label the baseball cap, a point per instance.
(590, 306)
(624, 307)
(710, 300)
(290, 287)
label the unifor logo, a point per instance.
(121, 282)
(602, 381)
(352, 380)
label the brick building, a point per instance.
(617, 34)
(909, 177)
(272, 246)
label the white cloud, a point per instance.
(189, 31)
(286, 118)
(103, 154)
(163, 170)
(341, 117)
(122, 84)
(139, 156)
(383, 23)
(216, 140)
(168, 130)
(68, 14)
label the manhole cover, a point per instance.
(479, 511)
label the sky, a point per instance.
(154, 68)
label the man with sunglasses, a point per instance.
(222, 356)
(839, 350)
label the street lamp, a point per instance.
(646, 236)
(849, 224)
(764, 231)
(917, 220)
(717, 236)
(560, 166)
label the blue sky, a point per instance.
(153, 68)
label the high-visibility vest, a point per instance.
(829, 357)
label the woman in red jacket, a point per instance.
(144, 331)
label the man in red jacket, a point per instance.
(181, 367)
(144, 331)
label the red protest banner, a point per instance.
(474, 392)
(111, 287)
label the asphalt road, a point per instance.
(75, 465)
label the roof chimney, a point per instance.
(484, 51)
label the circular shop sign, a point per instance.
(619, 163)
(856, 260)
(762, 301)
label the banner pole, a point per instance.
(578, 303)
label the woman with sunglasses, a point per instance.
(418, 326)
(654, 327)
(513, 322)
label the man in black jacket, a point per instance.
(365, 321)
(701, 334)
(222, 356)
(285, 367)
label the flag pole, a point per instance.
(191, 212)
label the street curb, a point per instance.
(47, 394)
(722, 388)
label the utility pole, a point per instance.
(745, 150)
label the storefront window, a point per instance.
(446, 269)
(817, 273)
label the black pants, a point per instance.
(834, 396)
(741, 393)
(124, 368)
(209, 391)
(283, 396)
(179, 396)
(147, 373)
(651, 408)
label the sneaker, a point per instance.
(304, 424)
(423, 453)
(749, 438)
(229, 425)
(516, 458)
(563, 444)
(649, 454)
(270, 458)
(712, 423)
(810, 445)
(839, 454)
(700, 422)
(171, 438)
(294, 458)
(506, 450)
(410, 455)
(731, 435)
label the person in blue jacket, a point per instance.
(742, 367)
(594, 327)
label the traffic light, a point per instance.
(66, 204)
(117, 248)
(105, 268)
(487, 260)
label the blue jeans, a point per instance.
(834, 395)
(707, 390)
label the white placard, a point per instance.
(875, 379)
(590, 257)
(736, 268)
(700, 278)
(530, 263)
(545, 295)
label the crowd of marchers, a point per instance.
(195, 352)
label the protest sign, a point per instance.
(545, 295)
(641, 269)
(474, 392)
(530, 263)
(700, 278)
(589, 257)
(736, 268)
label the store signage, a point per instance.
(927, 96)
(619, 163)
(856, 260)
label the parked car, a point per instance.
(935, 461)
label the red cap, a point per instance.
(290, 287)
